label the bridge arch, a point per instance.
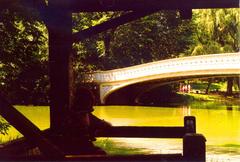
(130, 93)
(169, 70)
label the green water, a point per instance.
(220, 126)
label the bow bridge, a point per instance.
(137, 79)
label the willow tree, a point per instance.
(217, 31)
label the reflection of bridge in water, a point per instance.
(132, 81)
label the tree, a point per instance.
(217, 31)
(23, 58)
(158, 36)
(87, 52)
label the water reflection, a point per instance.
(186, 110)
(229, 107)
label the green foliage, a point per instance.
(154, 37)
(23, 58)
(4, 126)
(113, 148)
(202, 86)
(216, 31)
(158, 36)
(87, 52)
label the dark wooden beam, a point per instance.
(151, 132)
(126, 5)
(35, 4)
(38, 5)
(124, 158)
(143, 132)
(113, 23)
(186, 14)
(60, 65)
(29, 130)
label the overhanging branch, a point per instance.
(113, 23)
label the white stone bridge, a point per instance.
(165, 71)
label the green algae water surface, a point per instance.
(220, 125)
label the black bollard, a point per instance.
(194, 148)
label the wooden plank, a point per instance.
(102, 158)
(126, 5)
(29, 130)
(113, 23)
(156, 157)
(143, 132)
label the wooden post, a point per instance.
(194, 147)
(61, 78)
(190, 124)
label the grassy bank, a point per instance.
(216, 98)
(115, 148)
(217, 94)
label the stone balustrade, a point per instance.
(184, 64)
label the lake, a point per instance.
(220, 124)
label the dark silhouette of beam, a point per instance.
(126, 5)
(29, 130)
(113, 23)
(151, 132)
(186, 14)
(143, 132)
(14, 4)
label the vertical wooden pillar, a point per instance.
(194, 147)
(60, 64)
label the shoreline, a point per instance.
(183, 99)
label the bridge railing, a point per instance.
(203, 62)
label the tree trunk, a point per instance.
(229, 86)
(237, 79)
(107, 40)
(107, 45)
(208, 86)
